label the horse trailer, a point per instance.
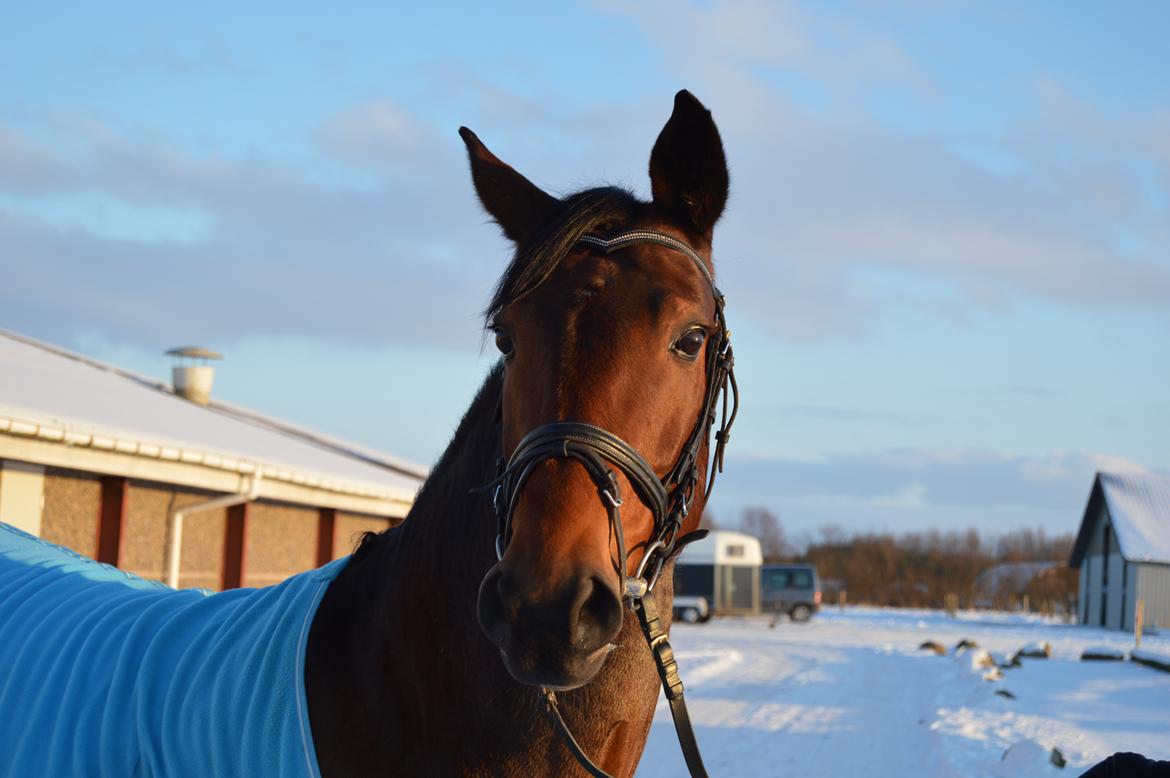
(724, 568)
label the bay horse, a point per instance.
(502, 629)
(600, 341)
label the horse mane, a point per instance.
(579, 214)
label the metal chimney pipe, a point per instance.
(193, 381)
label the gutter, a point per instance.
(175, 523)
(24, 428)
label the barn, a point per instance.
(1123, 552)
(165, 481)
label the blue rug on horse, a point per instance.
(104, 673)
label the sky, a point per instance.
(946, 252)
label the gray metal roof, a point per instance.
(46, 385)
(1139, 510)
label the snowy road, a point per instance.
(852, 694)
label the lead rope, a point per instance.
(672, 686)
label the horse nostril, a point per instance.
(491, 611)
(598, 617)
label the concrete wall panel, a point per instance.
(144, 536)
(349, 531)
(71, 510)
(281, 540)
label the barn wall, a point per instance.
(70, 516)
(144, 535)
(1083, 592)
(1093, 567)
(350, 527)
(22, 495)
(1116, 563)
(281, 540)
(1129, 602)
(1154, 589)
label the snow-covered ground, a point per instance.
(850, 693)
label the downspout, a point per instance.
(175, 526)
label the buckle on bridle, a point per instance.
(636, 589)
(496, 498)
(611, 492)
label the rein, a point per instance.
(669, 498)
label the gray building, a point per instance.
(1123, 551)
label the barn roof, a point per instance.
(1139, 510)
(61, 404)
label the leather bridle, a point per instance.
(669, 497)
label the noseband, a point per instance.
(669, 497)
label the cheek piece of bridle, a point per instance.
(669, 498)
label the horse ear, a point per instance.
(518, 205)
(688, 171)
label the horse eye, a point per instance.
(690, 344)
(504, 344)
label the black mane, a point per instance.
(602, 209)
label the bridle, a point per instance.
(669, 497)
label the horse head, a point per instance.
(614, 348)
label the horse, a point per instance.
(516, 622)
(404, 672)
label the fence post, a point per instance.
(841, 600)
(952, 603)
(1137, 623)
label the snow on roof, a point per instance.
(1139, 510)
(47, 385)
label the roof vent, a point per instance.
(192, 376)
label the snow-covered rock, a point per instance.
(1103, 654)
(1154, 659)
(1041, 649)
(1027, 758)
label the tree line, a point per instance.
(1024, 568)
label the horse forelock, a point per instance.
(587, 211)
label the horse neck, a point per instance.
(414, 650)
(444, 547)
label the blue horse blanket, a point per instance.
(103, 673)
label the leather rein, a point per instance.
(669, 498)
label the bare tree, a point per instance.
(766, 526)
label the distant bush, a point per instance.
(919, 569)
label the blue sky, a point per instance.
(947, 251)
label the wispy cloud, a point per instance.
(912, 487)
(845, 414)
(277, 253)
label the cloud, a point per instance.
(824, 196)
(379, 221)
(909, 488)
(278, 252)
(378, 133)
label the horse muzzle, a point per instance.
(557, 637)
